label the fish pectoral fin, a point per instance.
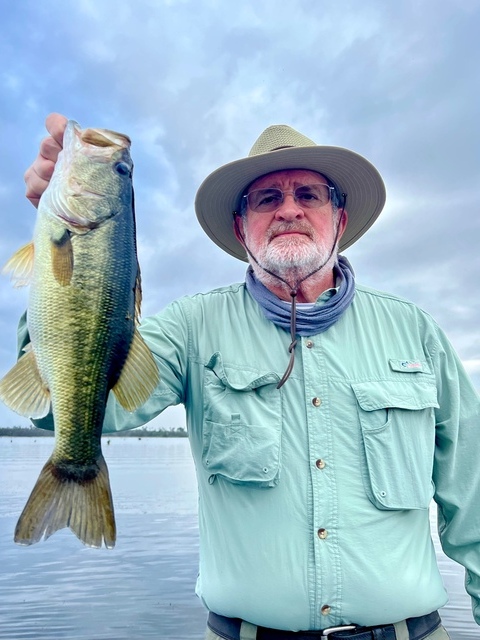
(139, 375)
(23, 390)
(20, 265)
(62, 258)
(69, 495)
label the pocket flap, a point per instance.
(242, 424)
(243, 379)
(395, 393)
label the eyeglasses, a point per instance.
(308, 196)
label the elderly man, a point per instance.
(323, 416)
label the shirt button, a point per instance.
(316, 402)
(320, 464)
(322, 533)
(309, 344)
(326, 609)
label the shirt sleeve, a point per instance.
(166, 334)
(456, 472)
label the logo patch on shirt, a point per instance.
(408, 366)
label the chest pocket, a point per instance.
(397, 421)
(242, 424)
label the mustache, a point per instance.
(293, 227)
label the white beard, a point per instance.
(292, 257)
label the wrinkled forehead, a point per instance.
(287, 178)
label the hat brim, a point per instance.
(218, 195)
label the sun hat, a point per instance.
(281, 147)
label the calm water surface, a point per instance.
(144, 588)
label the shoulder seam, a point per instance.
(383, 294)
(232, 288)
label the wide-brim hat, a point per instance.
(280, 147)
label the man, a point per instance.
(323, 416)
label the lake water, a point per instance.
(144, 588)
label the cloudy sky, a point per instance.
(194, 83)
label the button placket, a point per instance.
(325, 575)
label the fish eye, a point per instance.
(122, 168)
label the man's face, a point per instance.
(291, 236)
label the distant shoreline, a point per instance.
(33, 432)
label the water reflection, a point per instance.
(144, 588)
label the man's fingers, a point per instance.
(42, 168)
(37, 178)
(49, 150)
(35, 188)
(38, 175)
(55, 124)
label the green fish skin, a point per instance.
(84, 305)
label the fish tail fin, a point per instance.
(65, 496)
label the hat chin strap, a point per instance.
(293, 290)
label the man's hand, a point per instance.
(38, 175)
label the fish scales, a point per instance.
(83, 310)
(92, 315)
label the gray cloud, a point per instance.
(194, 84)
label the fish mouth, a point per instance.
(104, 138)
(101, 138)
(98, 144)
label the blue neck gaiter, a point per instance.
(315, 319)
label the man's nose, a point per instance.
(289, 209)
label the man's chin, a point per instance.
(291, 245)
(292, 260)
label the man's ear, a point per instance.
(238, 228)
(342, 223)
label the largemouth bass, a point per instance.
(84, 304)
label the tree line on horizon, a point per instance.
(139, 432)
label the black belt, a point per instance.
(418, 629)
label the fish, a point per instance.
(82, 317)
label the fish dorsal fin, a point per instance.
(62, 258)
(139, 375)
(20, 265)
(23, 390)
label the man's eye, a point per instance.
(307, 196)
(269, 199)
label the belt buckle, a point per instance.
(346, 627)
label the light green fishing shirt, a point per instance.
(313, 499)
